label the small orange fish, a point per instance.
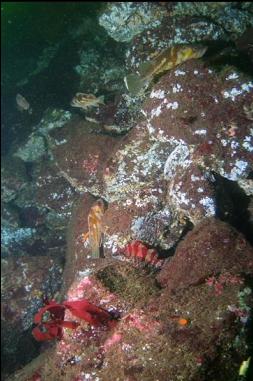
(95, 227)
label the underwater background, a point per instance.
(126, 191)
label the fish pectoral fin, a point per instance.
(95, 252)
(85, 236)
(19, 108)
(102, 99)
(134, 83)
(144, 68)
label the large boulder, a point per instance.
(152, 328)
(211, 248)
(208, 134)
(88, 151)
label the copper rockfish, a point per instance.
(164, 61)
(86, 101)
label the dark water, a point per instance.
(26, 29)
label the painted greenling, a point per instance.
(162, 62)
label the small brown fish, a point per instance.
(164, 61)
(95, 227)
(22, 104)
(86, 101)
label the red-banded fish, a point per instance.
(137, 250)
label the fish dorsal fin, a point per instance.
(144, 68)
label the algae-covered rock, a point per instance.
(14, 239)
(135, 170)
(231, 16)
(131, 285)
(13, 178)
(33, 150)
(53, 118)
(101, 71)
(123, 20)
(36, 146)
(204, 132)
(210, 248)
(54, 194)
(88, 151)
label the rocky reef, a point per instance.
(173, 167)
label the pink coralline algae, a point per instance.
(114, 339)
(50, 319)
(223, 280)
(90, 165)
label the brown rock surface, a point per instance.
(87, 151)
(211, 248)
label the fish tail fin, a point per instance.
(135, 84)
(96, 245)
(95, 252)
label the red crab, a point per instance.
(50, 318)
